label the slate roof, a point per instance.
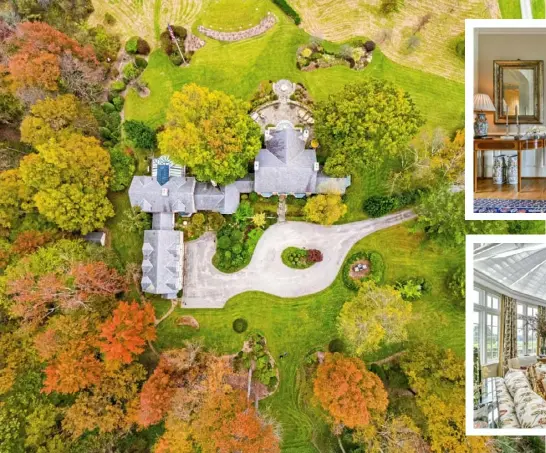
(176, 195)
(163, 221)
(162, 264)
(285, 166)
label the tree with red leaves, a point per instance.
(157, 394)
(350, 393)
(125, 334)
(37, 59)
(96, 278)
(228, 423)
(30, 241)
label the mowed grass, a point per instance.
(126, 244)
(304, 325)
(538, 7)
(237, 68)
(233, 15)
(510, 9)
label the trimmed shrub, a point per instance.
(223, 243)
(140, 134)
(109, 19)
(118, 85)
(130, 71)
(215, 221)
(131, 45)
(240, 325)
(176, 59)
(314, 256)
(369, 46)
(143, 48)
(118, 102)
(378, 205)
(141, 63)
(108, 107)
(377, 269)
(165, 38)
(288, 10)
(336, 345)
(253, 196)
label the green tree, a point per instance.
(11, 197)
(211, 133)
(54, 117)
(70, 178)
(375, 315)
(324, 209)
(441, 217)
(365, 124)
(139, 134)
(11, 109)
(135, 221)
(123, 166)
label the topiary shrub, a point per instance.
(143, 48)
(130, 71)
(131, 45)
(253, 196)
(223, 242)
(369, 46)
(109, 19)
(336, 345)
(118, 85)
(314, 256)
(141, 63)
(108, 107)
(240, 325)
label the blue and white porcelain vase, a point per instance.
(512, 169)
(498, 170)
(481, 128)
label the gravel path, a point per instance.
(207, 287)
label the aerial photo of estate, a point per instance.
(236, 226)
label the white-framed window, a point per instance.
(527, 337)
(486, 320)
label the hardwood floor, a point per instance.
(531, 189)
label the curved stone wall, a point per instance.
(262, 27)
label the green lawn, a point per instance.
(510, 9)
(305, 324)
(233, 15)
(237, 68)
(127, 245)
(538, 7)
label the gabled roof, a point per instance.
(176, 195)
(162, 267)
(207, 197)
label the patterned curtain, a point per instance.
(509, 318)
(541, 310)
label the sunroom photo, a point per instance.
(509, 335)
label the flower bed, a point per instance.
(314, 56)
(297, 258)
(375, 271)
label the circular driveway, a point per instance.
(207, 287)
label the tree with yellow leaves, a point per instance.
(324, 209)
(375, 315)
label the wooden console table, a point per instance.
(498, 144)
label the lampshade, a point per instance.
(483, 103)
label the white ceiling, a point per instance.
(519, 267)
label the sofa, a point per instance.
(520, 396)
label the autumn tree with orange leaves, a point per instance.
(36, 61)
(227, 423)
(125, 334)
(350, 394)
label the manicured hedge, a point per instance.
(288, 10)
(240, 325)
(380, 205)
(336, 345)
(376, 272)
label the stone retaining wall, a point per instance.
(262, 27)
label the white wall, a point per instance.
(492, 47)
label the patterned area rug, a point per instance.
(488, 205)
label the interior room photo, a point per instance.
(509, 165)
(509, 335)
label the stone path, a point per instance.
(207, 287)
(262, 27)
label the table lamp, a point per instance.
(482, 104)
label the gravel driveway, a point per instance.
(207, 287)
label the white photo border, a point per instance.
(469, 353)
(470, 26)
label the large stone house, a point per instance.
(284, 166)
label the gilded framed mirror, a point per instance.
(518, 87)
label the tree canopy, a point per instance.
(69, 177)
(375, 315)
(365, 124)
(211, 133)
(324, 209)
